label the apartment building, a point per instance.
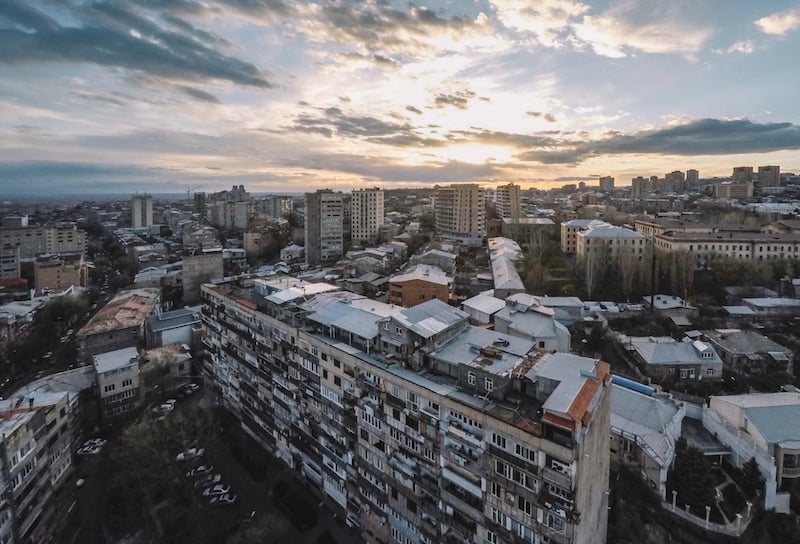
(9, 262)
(366, 209)
(420, 426)
(60, 271)
(118, 383)
(601, 243)
(692, 178)
(570, 230)
(141, 211)
(37, 432)
(607, 184)
(769, 176)
(324, 227)
(706, 247)
(199, 267)
(420, 283)
(507, 201)
(730, 190)
(640, 186)
(276, 207)
(36, 240)
(460, 213)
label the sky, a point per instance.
(291, 96)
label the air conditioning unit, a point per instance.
(558, 466)
(511, 499)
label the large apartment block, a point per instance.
(37, 240)
(324, 226)
(423, 427)
(141, 211)
(366, 210)
(507, 201)
(460, 213)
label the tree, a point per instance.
(751, 482)
(691, 477)
(272, 528)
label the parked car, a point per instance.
(98, 442)
(191, 388)
(208, 480)
(226, 499)
(199, 471)
(191, 453)
(89, 450)
(217, 489)
(168, 405)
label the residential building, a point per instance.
(482, 307)
(761, 426)
(601, 244)
(742, 175)
(692, 178)
(199, 267)
(507, 202)
(674, 182)
(366, 208)
(324, 227)
(229, 209)
(570, 230)
(419, 283)
(666, 358)
(529, 232)
(174, 327)
(60, 271)
(163, 371)
(141, 211)
(441, 432)
(524, 317)
(118, 384)
(769, 176)
(644, 429)
(119, 324)
(730, 191)
(14, 221)
(200, 237)
(438, 258)
(773, 308)
(706, 247)
(607, 184)
(460, 213)
(277, 207)
(503, 256)
(36, 240)
(639, 188)
(9, 262)
(750, 352)
(37, 431)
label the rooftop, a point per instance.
(127, 309)
(486, 349)
(646, 417)
(730, 237)
(668, 351)
(423, 272)
(430, 317)
(176, 318)
(114, 360)
(746, 342)
(484, 303)
(611, 231)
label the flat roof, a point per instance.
(173, 319)
(127, 309)
(114, 360)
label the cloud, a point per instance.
(779, 23)
(456, 99)
(745, 47)
(374, 59)
(412, 109)
(120, 36)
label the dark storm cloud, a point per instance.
(115, 34)
(199, 94)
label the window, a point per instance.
(488, 384)
(495, 489)
(541, 344)
(324, 374)
(491, 538)
(471, 378)
(709, 372)
(499, 440)
(398, 330)
(337, 381)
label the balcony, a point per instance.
(551, 476)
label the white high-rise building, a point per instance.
(324, 227)
(366, 215)
(141, 211)
(460, 212)
(506, 198)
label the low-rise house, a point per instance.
(482, 307)
(664, 357)
(119, 324)
(749, 352)
(764, 427)
(437, 257)
(174, 327)
(293, 253)
(524, 317)
(644, 429)
(163, 371)
(418, 284)
(503, 256)
(773, 308)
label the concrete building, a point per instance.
(37, 240)
(324, 227)
(293, 253)
(163, 371)
(419, 283)
(60, 271)
(174, 327)
(507, 201)
(692, 178)
(750, 352)
(118, 384)
(482, 308)
(639, 188)
(37, 434)
(600, 244)
(119, 324)
(141, 211)
(707, 247)
(460, 213)
(675, 182)
(644, 429)
(769, 176)
(762, 426)
(503, 256)
(438, 258)
(9, 262)
(731, 190)
(198, 268)
(607, 184)
(742, 174)
(229, 209)
(445, 433)
(14, 221)
(200, 237)
(366, 208)
(530, 232)
(276, 207)
(570, 230)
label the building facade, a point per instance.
(507, 201)
(366, 215)
(324, 227)
(37, 240)
(141, 211)
(607, 184)
(460, 213)
(60, 271)
(9, 262)
(769, 176)
(117, 383)
(199, 267)
(402, 426)
(422, 282)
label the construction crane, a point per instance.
(188, 191)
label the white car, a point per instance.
(89, 450)
(168, 405)
(218, 489)
(223, 500)
(97, 442)
(199, 471)
(191, 388)
(208, 480)
(191, 453)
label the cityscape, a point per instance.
(377, 272)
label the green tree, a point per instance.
(691, 477)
